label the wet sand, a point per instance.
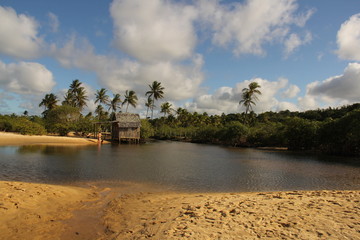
(18, 139)
(41, 211)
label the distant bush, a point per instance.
(234, 133)
(341, 136)
(270, 134)
(206, 134)
(27, 127)
(62, 119)
(301, 134)
(147, 129)
(21, 125)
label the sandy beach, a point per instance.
(41, 211)
(18, 139)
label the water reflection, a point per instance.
(185, 166)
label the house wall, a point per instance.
(129, 133)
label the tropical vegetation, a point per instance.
(331, 130)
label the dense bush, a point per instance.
(21, 125)
(234, 133)
(147, 129)
(341, 136)
(62, 119)
(269, 134)
(301, 134)
(207, 134)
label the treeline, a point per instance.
(331, 130)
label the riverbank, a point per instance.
(61, 212)
(18, 139)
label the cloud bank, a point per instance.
(26, 78)
(19, 35)
(348, 39)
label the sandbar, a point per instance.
(43, 211)
(7, 139)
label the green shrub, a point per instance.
(234, 133)
(26, 127)
(267, 134)
(147, 129)
(301, 134)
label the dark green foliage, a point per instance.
(301, 134)
(147, 129)
(341, 136)
(234, 133)
(62, 119)
(269, 134)
(84, 125)
(207, 134)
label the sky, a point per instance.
(304, 54)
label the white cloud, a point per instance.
(26, 78)
(18, 34)
(226, 99)
(348, 39)
(294, 42)
(291, 92)
(334, 91)
(181, 80)
(154, 30)
(247, 26)
(342, 87)
(53, 22)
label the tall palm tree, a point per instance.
(101, 97)
(68, 99)
(76, 95)
(130, 98)
(100, 113)
(81, 98)
(166, 108)
(156, 92)
(49, 102)
(115, 103)
(249, 96)
(149, 104)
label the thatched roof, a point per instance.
(126, 120)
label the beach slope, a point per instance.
(42, 211)
(7, 139)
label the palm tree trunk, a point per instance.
(127, 106)
(147, 111)
(152, 109)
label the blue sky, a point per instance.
(304, 54)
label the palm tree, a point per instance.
(115, 103)
(101, 96)
(100, 113)
(130, 98)
(166, 108)
(49, 102)
(149, 104)
(156, 92)
(249, 96)
(76, 95)
(81, 98)
(68, 99)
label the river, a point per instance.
(179, 166)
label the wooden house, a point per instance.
(126, 127)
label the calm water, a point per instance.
(177, 166)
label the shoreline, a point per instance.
(136, 211)
(14, 139)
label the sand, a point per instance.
(42, 211)
(18, 139)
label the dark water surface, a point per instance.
(178, 166)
